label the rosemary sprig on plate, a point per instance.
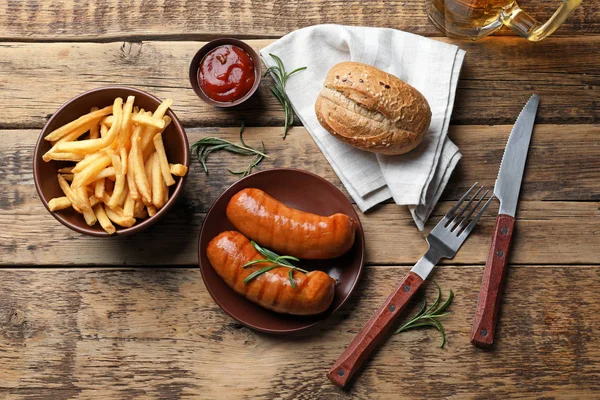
(278, 90)
(203, 147)
(276, 260)
(428, 317)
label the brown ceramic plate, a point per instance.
(195, 65)
(44, 173)
(304, 191)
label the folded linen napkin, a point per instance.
(417, 178)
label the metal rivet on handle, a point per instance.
(484, 332)
(504, 230)
(341, 372)
(392, 308)
(407, 288)
(500, 253)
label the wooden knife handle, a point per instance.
(374, 331)
(484, 324)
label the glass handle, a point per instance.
(526, 26)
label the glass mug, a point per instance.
(474, 19)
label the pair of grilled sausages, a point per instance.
(284, 230)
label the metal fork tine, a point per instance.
(470, 227)
(464, 221)
(455, 222)
(459, 202)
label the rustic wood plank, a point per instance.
(561, 167)
(157, 333)
(498, 77)
(108, 20)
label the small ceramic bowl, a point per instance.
(304, 191)
(44, 173)
(195, 65)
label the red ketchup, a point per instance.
(226, 73)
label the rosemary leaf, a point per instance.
(291, 277)
(428, 316)
(203, 147)
(259, 272)
(276, 260)
(280, 76)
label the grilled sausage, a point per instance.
(230, 250)
(289, 231)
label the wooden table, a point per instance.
(130, 317)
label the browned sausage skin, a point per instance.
(230, 250)
(286, 230)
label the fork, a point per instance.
(444, 241)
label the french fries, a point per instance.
(121, 171)
(59, 203)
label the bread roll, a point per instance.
(372, 110)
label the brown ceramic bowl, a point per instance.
(195, 65)
(44, 173)
(306, 192)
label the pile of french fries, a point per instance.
(121, 173)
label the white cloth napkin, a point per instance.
(416, 179)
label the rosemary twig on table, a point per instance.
(276, 260)
(278, 90)
(203, 147)
(428, 317)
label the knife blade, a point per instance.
(512, 165)
(508, 185)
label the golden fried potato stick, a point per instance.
(133, 191)
(148, 168)
(65, 170)
(119, 183)
(84, 119)
(95, 130)
(93, 200)
(62, 156)
(141, 179)
(80, 166)
(103, 130)
(75, 134)
(103, 219)
(107, 121)
(88, 214)
(147, 141)
(78, 204)
(124, 196)
(158, 186)
(178, 169)
(129, 206)
(151, 210)
(68, 177)
(107, 172)
(143, 119)
(59, 203)
(142, 214)
(125, 131)
(99, 189)
(161, 110)
(89, 173)
(119, 219)
(162, 159)
(92, 145)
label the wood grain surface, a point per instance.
(77, 322)
(496, 80)
(151, 333)
(560, 167)
(115, 20)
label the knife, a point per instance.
(506, 190)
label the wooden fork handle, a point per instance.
(486, 315)
(374, 331)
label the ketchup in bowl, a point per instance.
(226, 73)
